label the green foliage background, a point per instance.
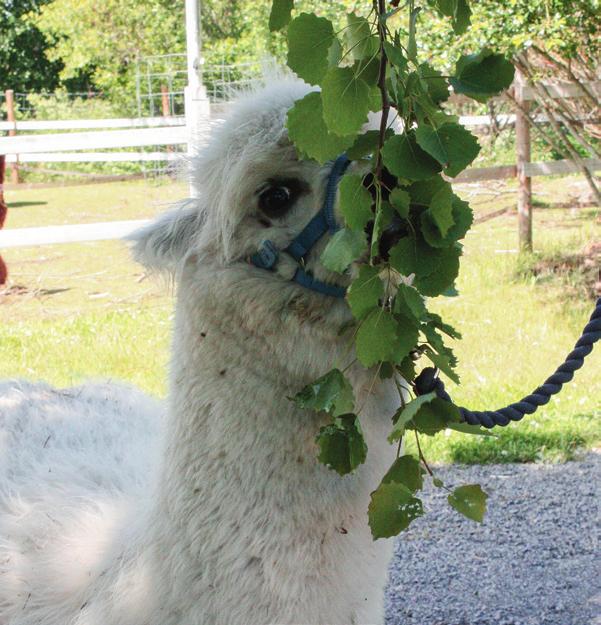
(87, 43)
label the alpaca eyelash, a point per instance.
(278, 196)
(296, 186)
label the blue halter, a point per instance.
(323, 222)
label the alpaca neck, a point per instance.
(232, 369)
(239, 479)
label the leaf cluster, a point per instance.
(403, 224)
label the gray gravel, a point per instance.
(534, 561)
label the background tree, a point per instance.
(104, 40)
(24, 65)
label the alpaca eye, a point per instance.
(275, 201)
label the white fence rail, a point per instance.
(64, 142)
(89, 124)
(94, 157)
(75, 233)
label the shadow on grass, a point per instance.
(514, 445)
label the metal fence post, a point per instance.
(196, 101)
(522, 140)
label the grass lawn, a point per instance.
(80, 311)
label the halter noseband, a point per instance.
(323, 222)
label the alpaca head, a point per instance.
(253, 188)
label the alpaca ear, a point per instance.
(163, 244)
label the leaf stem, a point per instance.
(421, 455)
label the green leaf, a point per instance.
(366, 144)
(403, 256)
(463, 217)
(365, 292)
(443, 363)
(413, 301)
(375, 99)
(441, 210)
(345, 101)
(404, 158)
(438, 88)
(466, 428)
(469, 500)
(355, 202)
(280, 14)
(309, 41)
(407, 337)
(386, 371)
(407, 369)
(376, 337)
(446, 270)
(451, 145)
(438, 483)
(383, 218)
(437, 322)
(359, 38)
(309, 133)
(391, 510)
(332, 393)
(406, 413)
(411, 42)
(422, 192)
(400, 201)
(435, 269)
(405, 470)
(335, 53)
(459, 11)
(483, 75)
(341, 444)
(434, 417)
(342, 249)
(396, 56)
(369, 71)
(436, 341)
(462, 17)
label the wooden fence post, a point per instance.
(166, 109)
(10, 113)
(522, 140)
(3, 211)
(165, 101)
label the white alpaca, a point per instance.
(218, 513)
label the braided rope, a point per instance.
(428, 381)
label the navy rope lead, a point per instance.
(427, 381)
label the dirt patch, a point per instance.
(19, 290)
(582, 269)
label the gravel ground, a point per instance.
(534, 561)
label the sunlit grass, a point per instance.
(87, 311)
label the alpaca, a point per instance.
(216, 512)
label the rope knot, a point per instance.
(429, 382)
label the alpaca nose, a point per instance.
(391, 236)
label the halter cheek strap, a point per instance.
(323, 222)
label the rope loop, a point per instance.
(428, 381)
